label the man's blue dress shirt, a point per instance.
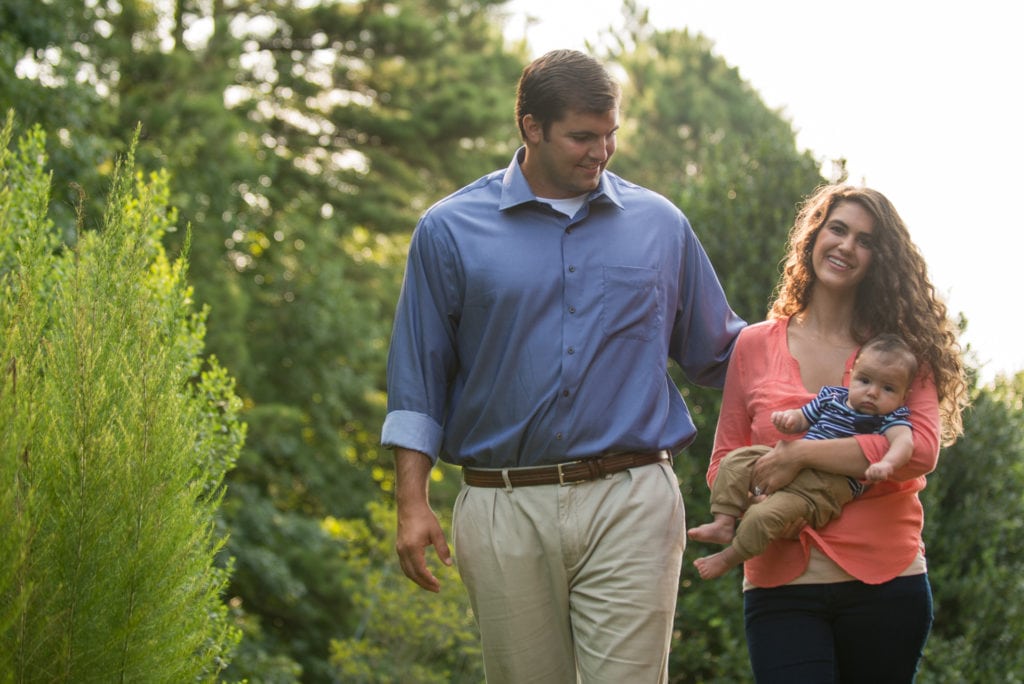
(523, 337)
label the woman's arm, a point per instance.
(733, 428)
(778, 467)
(852, 455)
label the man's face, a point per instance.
(570, 160)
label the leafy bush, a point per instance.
(974, 529)
(115, 443)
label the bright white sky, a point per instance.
(924, 98)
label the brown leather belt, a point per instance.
(562, 473)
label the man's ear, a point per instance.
(533, 129)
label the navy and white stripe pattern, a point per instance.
(831, 417)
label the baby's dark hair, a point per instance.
(889, 343)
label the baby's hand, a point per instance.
(787, 422)
(877, 472)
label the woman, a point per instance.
(851, 601)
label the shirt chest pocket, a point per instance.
(629, 302)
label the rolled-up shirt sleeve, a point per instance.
(422, 358)
(412, 430)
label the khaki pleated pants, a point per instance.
(574, 583)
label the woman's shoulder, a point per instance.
(762, 345)
(764, 331)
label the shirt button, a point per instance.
(572, 309)
(558, 436)
(565, 393)
(572, 350)
(572, 269)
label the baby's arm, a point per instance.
(901, 448)
(790, 422)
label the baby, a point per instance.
(874, 403)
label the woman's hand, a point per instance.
(776, 469)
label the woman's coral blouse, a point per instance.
(878, 534)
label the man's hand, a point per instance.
(418, 527)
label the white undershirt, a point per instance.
(568, 206)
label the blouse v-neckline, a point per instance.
(794, 363)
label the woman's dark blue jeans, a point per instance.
(848, 633)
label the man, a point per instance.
(540, 306)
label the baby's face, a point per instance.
(878, 383)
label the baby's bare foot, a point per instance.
(713, 533)
(717, 564)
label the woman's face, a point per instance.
(843, 248)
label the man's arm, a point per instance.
(418, 527)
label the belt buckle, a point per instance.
(561, 474)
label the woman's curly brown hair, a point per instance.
(896, 295)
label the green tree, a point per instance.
(303, 140)
(299, 137)
(52, 73)
(366, 119)
(695, 131)
(116, 442)
(974, 529)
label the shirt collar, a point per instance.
(516, 191)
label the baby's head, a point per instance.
(882, 373)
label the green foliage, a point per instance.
(26, 245)
(310, 135)
(116, 442)
(974, 530)
(404, 633)
(50, 62)
(304, 139)
(357, 118)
